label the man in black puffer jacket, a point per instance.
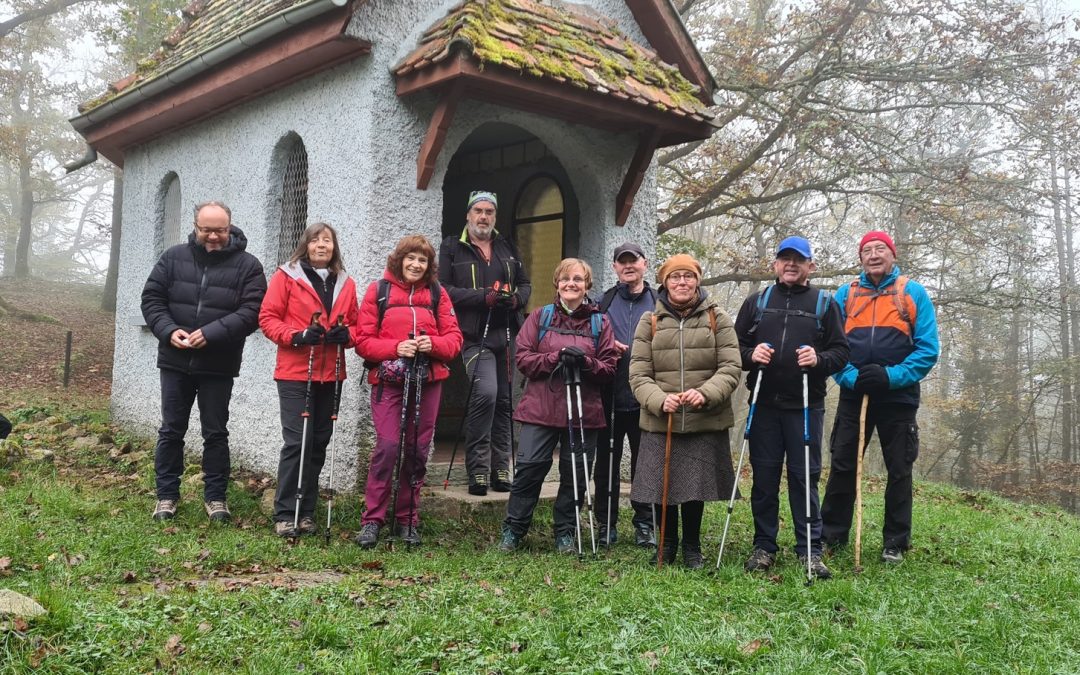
(201, 302)
(786, 330)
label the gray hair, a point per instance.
(213, 202)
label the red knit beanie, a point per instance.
(878, 235)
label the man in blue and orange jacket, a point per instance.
(892, 331)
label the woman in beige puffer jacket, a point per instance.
(685, 363)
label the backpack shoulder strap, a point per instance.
(546, 314)
(597, 323)
(436, 294)
(824, 299)
(901, 306)
(607, 298)
(762, 303)
(382, 298)
(712, 320)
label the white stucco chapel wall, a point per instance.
(362, 143)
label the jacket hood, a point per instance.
(889, 278)
(237, 242)
(586, 308)
(704, 302)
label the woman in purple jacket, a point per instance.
(560, 336)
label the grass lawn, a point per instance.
(991, 586)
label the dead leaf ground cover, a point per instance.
(986, 590)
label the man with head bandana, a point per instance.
(482, 272)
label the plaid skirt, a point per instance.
(700, 469)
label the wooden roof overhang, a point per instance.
(298, 53)
(462, 77)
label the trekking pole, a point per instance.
(568, 378)
(468, 399)
(419, 373)
(306, 415)
(610, 467)
(333, 432)
(806, 463)
(858, 483)
(742, 454)
(510, 385)
(401, 434)
(663, 494)
(585, 459)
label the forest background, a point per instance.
(951, 124)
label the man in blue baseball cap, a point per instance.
(786, 332)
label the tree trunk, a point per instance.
(26, 217)
(108, 297)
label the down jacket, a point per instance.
(408, 310)
(219, 292)
(287, 308)
(685, 354)
(544, 400)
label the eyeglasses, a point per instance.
(678, 277)
(207, 231)
(576, 280)
(874, 250)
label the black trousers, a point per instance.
(776, 435)
(487, 421)
(536, 448)
(5, 427)
(625, 426)
(178, 393)
(291, 397)
(899, 435)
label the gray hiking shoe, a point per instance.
(608, 536)
(478, 486)
(308, 526)
(817, 568)
(165, 509)
(217, 511)
(760, 561)
(892, 555)
(643, 536)
(510, 540)
(407, 533)
(285, 529)
(501, 481)
(564, 543)
(368, 536)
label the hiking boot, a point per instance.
(284, 528)
(165, 509)
(510, 541)
(831, 546)
(817, 568)
(308, 526)
(759, 561)
(608, 536)
(407, 533)
(643, 536)
(892, 555)
(217, 511)
(692, 558)
(564, 543)
(368, 536)
(501, 481)
(478, 485)
(670, 550)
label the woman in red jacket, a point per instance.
(313, 280)
(570, 337)
(399, 322)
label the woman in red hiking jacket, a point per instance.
(401, 318)
(313, 280)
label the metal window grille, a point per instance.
(294, 206)
(168, 232)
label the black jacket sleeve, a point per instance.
(155, 301)
(743, 323)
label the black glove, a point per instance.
(338, 335)
(312, 335)
(491, 298)
(872, 379)
(508, 300)
(573, 357)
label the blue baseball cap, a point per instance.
(797, 244)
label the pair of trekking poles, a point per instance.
(572, 380)
(306, 415)
(806, 469)
(416, 374)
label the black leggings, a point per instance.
(692, 513)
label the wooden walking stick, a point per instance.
(663, 494)
(858, 483)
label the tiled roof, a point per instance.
(205, 24)
(552, 41)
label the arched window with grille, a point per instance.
(292, 194)
(538, 227)
(169, 228)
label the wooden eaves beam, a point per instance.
(436, 134)
(635, 174)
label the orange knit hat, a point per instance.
(679, 261)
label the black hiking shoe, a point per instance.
(608, 536)
(643, 536)
(892, 555)
(564, 543)
(817, 568)
(408, 534)
(510, 541)
(478, 485)
(692, 558)
(368, 536)
(165, 509)
(217, 511)
(759, 561)
(501, 481)
(670, 551)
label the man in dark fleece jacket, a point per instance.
(796, 329)
(201, 301)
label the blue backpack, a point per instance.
(547, 313)
(824, 299)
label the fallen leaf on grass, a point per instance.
(20, 624)
(203, 554)
(5, 566)
(161, 551)
(170, 530)
(129, 577)
(752, 647)
(173, 645)
(293, 623)
(372, 565)
(547, 579)
(516, 647)
(204, 627)
(651, 660)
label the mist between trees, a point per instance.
(951, 124)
